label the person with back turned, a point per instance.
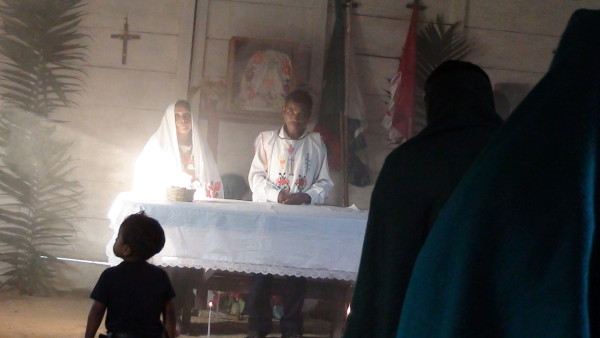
(415, 181)
(514, 251)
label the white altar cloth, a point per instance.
(242, 236)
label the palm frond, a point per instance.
(438, 42)
(40, 200)
(45, 53)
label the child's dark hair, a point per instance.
(302, 98)
(143, 234)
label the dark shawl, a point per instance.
(512, 253)
(413, 184)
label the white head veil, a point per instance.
(159, 165)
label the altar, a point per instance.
(237, 238)
(252, 237)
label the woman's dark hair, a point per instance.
(184, 103)
(459, 88)
(302, 98)
(143, 234)
(452, 67)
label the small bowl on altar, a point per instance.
(180, 194)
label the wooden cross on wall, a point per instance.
(125, 37)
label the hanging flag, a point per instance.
(358, 171)
(398, 119)
(341, 97)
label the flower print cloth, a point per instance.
(283, 163)
(266, 81)
(159, 166)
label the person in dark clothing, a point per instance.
(184, 281)
(514, 251)
(415, 181)
(135, 293)
(260, 310)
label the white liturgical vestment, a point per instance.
(282, 163)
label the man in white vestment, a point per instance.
(289, 167)
(290, 164)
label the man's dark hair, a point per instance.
(184, 103)
(143, 234)
(302, 98)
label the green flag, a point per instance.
(339, 80)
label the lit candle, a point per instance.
(210, 304)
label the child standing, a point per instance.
(134, 293)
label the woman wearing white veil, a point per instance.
(176, 156)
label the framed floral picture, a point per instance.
(259, 75)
